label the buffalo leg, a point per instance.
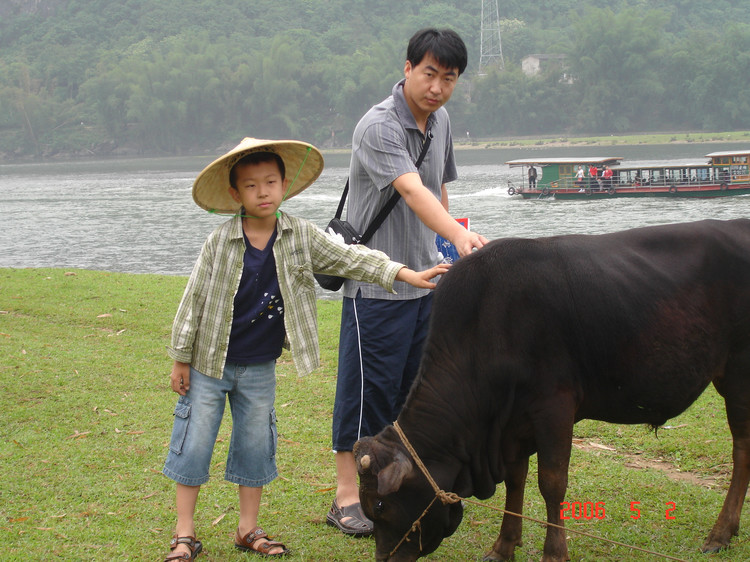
(736, 392)
(554, 435)
(511, 529)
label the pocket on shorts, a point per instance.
(181, 423)
(274, 436)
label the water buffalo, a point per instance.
(529, 336)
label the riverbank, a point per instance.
(605, 140)
(641, 139)
(459, 143)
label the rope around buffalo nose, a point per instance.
(445, 497)
(451, 497)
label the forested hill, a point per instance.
(96, 77)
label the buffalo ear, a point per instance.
(391, 477)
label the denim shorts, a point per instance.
(251, 460)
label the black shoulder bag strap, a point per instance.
(390, 204)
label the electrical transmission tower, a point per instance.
(491, 48)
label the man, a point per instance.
(382, 334)
(593, 173)
(532, 177)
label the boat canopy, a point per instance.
(729, 153)
(572, 160)
(663, 166)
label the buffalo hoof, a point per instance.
(491, 556)
(712, 547)
(717, 540)
(506, 551)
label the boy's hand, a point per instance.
(179, 380)
(421, 279)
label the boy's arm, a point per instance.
(422, 279)
(331, 256)
(365, 264)
(185, 324)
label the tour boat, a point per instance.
(723, 174)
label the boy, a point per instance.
(251, 292)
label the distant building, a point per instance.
(534, 64)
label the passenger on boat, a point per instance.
(579, 178)
(593, 173)
(607, 176)
(532, 177)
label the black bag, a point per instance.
(345, 230)
(350, 234)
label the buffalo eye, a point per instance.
(379, 507)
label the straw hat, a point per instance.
(303, 163)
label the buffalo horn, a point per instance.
(364, 462)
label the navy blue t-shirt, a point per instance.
(258, 323)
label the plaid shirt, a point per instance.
(200, 333)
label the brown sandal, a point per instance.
(247, 543)
(192, 543)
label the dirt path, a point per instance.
(637, 461)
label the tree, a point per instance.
(615, 62)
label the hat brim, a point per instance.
(303, 163)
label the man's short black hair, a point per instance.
(444, 45)
(256, 158)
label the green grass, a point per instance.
(86, 414)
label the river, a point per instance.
(137, 215)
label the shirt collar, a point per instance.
(282, 224)
(402, 108)
(237, 226)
